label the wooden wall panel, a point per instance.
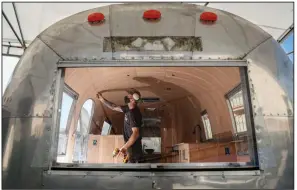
(102, 151)
(93, 150)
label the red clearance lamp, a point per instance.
(208, 17)
(96, 18)
(152, 15)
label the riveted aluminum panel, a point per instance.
(152, 180)
(22, 142)
(75, 39)
(176, 20)
(271, 79)
(282, 147)
(230, 37)
(31, 90)
(274, 69)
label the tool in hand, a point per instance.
(116, 151)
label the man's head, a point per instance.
(133, 97)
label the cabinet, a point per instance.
(100, 148)
(207, 152)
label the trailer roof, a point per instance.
(33, 18)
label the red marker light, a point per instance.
(208, 16)
(152, 15)
(96, 18)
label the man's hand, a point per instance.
(123, 151)
(99, 96)
(108, 104)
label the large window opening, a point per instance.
(190, 115)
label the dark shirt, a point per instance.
(133, 118)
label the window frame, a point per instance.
(228, 95)
(284, 37)
(109, 130)
(74, 95)
(242, 65)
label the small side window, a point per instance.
(67, 103)
(82, 132)
(106, 128)
(69, 99)
(236, 107)
(207, 126)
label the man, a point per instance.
(132, 124)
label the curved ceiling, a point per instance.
(185, 90)
(208, 85)
(274, 18)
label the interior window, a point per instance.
(82, 132)
(106, 128)
(67, 102)
(235, 100)
(207, 126)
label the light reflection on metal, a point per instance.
(8, 148)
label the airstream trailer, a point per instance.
(217, 102)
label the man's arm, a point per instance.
(108, 104)
(135, 133)
(133, 138)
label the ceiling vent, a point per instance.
(150, 99)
